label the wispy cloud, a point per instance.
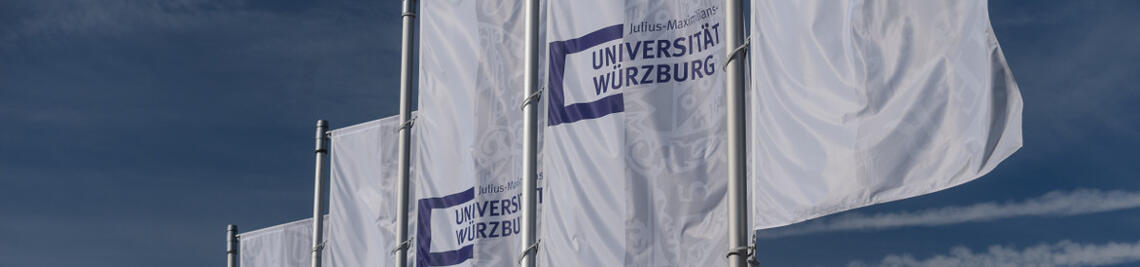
(1057, 203)
(1064, 253)
(46, 18)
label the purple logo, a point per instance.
(425, 257)
(559, 112)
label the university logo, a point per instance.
(559, 112)
(425, 255)
(666, 54)
(448, 227)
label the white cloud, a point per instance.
(1057, 203)
(1064, 253)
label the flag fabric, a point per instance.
(855, 103)
(469, 130)
(284, 245)
(635, 161)
(362, 195)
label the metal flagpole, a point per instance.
(530, 137)
(737, 183)
(409, 17)
(231, 246)
(319, 191)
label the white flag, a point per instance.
(363, 195)
(470, 133)
(634, 148)
(862, 102)
(283, 245)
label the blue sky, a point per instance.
(134, 131)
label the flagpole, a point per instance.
(530, 137)
(231, 246)
(406, 53)
(737, 183)
(319, 191)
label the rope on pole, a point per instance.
(740, 51)
(529, 251)
(532, 98)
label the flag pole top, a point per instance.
(231, 245)
(409, 6)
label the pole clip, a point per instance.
(403, 245)
(408, 14)
(319, 247)
(739, 51)
(407, 124)
(533, 97)
(745, 251)
(752, 251)
(532, 249)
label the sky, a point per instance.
(133, 131)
